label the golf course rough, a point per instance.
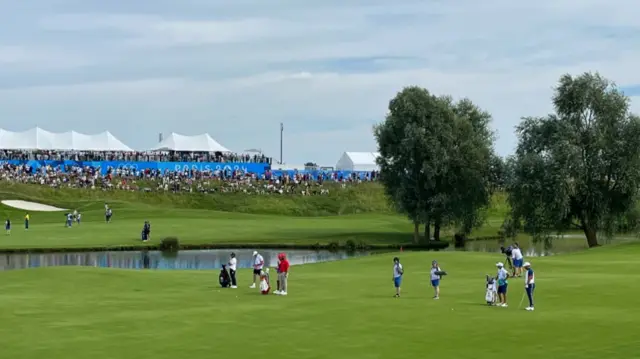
(585, 309)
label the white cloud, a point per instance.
(238, 69)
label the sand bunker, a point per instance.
(31, 206)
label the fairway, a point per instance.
(213, 219)
(47, 230)
(586, 308)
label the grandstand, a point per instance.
(37, 149)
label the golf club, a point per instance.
(521, 300)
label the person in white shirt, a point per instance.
(233, 264)
(518, 260)
(435, 279)
(258, 263)
(397, 275)
(502, 277)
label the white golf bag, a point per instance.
(492, 291)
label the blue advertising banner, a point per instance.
(258, 168)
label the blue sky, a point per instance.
(327, 69)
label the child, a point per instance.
(398, 271)
(7, 226)
(224, 279)
(265, 286)
(436, 275)
(492, 291)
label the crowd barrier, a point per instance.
(258, 168)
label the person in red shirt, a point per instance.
(283, 274)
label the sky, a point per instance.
(325, 69)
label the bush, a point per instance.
(352, 245)
(169, 244)
(333, 246)
(459, 240)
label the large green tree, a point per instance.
(578, 168)
(435, 160)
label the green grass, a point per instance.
(358, 213)
(586, 308)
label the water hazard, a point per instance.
(188, 259)
(213, 259)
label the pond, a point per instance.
(213, 259)
(187, 259)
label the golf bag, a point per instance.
(491, 296)
(265, 286)
(224, 278)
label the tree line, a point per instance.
(577, 168)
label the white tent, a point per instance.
(39, 139)
(197, 143)
(358, 161)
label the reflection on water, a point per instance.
(191, 259)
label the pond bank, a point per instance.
(332, 246)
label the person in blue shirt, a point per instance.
(529, 284)
(7, 226)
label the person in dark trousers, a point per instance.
(233, 263)
(146, 231)
(508, 252)
(224, 279)
(26, 221)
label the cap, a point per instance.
(434, 262)
(499, 265)
(255, 252)
(526, 264)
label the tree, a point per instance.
(497, 173)
(580, 167)
(434, 159)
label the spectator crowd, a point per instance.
(158, 156)
(218, 181)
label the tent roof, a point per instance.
(39, 139)
(197, 143)
(363, 158)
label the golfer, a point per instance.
(435, 279)
(26, 221)
(258, 263)
(233, 263)
(502, 277)
(529, 284)
(518, 260)
(283, 273)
